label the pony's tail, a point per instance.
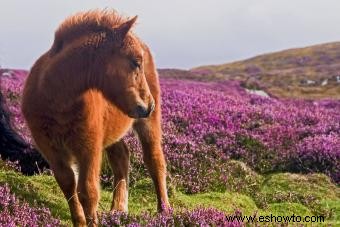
(14, 148)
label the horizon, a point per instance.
(229, 62)
(229, 31)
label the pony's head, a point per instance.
(115, 58)
(125, 79)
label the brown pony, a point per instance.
(82, 96)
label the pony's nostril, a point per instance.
(142, 111)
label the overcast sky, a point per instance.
(181, 33)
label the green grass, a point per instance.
(277, 194)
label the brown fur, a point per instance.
(82, 96)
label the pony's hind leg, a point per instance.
(149, 133)
(60, 163)
(118, 156)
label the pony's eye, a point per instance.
(135, 64)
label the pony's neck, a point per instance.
(65, 85)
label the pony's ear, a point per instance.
(123, 29)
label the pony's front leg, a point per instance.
(89, 160)
(118, 156)
(149, 132)
(65, 177)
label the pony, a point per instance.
(96, 82)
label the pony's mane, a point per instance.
(84, 23)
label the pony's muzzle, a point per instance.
(144, 112)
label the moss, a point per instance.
(309, 190)
(332, 206)
(228, 202)
(316, 186)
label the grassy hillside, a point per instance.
(311, 72)
(276, 194)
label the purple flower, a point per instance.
(206, 123)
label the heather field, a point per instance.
(228, 152)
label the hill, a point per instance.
(311, 72)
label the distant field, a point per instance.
(311, 72)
